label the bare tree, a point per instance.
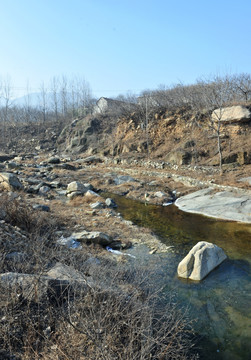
(85, 96)
(242, 84)
(64, 95)
(27, 104)
(218, 95)
(6, 97)
(55, 96)
(43, 101)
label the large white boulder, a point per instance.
(75, 188)
(200, 261)
(232, 114)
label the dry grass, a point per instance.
(104, 322)
(120, 316)
(85, 199)
(19, 213)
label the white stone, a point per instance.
(159, 194)
(76, 186)
(200, 261)
(232, 114)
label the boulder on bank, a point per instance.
(93, 237)
(75, 188)
(232, 114)
(10, 182)
(34, 287)
(200, 261)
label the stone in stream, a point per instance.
(200, 261)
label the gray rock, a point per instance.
(66, 166)
(64, 272)
(200, 261)
(74, 194)
(55, 184)
(6, 157)
(12, 165)
(76, 187)
(9, 181)
(80, 137)
(53, 160)
(97, 205)
(222, 205)
(91, 193)
(122, 179)
(34, 287)
(43, 190)
(41, 207)
(110, 203)
(88, 186)
(95, 237)
(160, 194)
(69, 242)
(33, 181)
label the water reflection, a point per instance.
(178, 228)
(221, 302)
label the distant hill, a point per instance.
(33, 99)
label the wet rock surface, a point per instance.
(223, 205)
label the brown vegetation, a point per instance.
(121, 315)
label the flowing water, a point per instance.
(221, 303)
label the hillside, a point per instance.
(180, 138)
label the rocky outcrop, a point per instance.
(55, 285)
(10, 182)
(232, 114)
(75, 188)
(80, 135)
(200, 261)
(222, 205)
(179, 157)
(34, 287)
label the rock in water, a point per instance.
(200, 261)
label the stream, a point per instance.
(221, 303)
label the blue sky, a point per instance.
(123, 45)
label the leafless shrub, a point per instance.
(85, 199)
(19, 213)
(117, 312)
(123, 320)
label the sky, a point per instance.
(122, 46)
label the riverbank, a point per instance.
(45, 186)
